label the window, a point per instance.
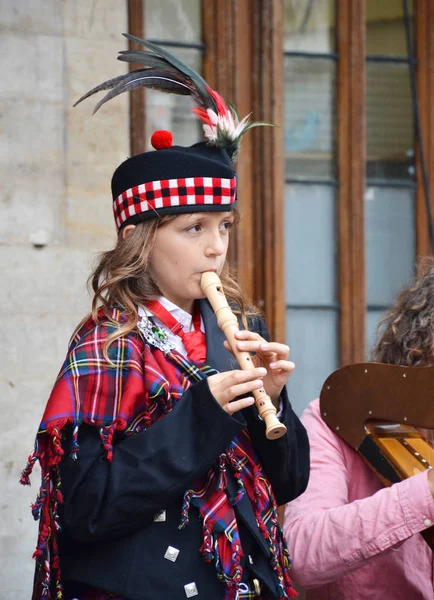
(390, 232)
(310, 232)
(177, 26)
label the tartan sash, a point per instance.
(138, 387)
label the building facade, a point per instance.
(335, 200)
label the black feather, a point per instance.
(161, 71)
(147, 59)
(162, 82)
(107, 85)
(198, 82)
(151, 61)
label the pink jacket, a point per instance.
(349, 537)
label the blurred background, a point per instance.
(335, 210)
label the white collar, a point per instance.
(179, 314)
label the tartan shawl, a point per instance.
(139, 387)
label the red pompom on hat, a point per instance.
(162, 139)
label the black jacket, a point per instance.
(109, 537)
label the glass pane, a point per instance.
(168, 111)
(385, 32)
(390, 241)
(310, 117)
(389, 122)
(312, 337)
(310, 244)
(309, 26)
(174, 20)
(373, 317)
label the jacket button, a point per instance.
(171, 553)
(160, 516)
(191, 590)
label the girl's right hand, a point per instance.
(231, 384)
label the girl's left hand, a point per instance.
(271, 355)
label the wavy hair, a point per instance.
(122, 278)
(406, 333)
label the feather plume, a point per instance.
(164, 72)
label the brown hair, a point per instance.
(406, 333)
(122, 278)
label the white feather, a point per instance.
(227, 124)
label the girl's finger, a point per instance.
(244, 334)
(282, 365)
(241, 389)
(247, 346)
(236, 405)
(250, 345)
(281, 349)
(227, 386)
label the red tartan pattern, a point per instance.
(167, 193)
(138, 387)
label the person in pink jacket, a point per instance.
(351, 538)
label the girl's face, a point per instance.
(184, 249)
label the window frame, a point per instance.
(424, 49)
(351, 159)
(245, 64)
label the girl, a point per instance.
(350, 537)
(157, 479)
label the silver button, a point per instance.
(160, 516)
(171, 553)
(427, 522)
(250, 559)
(191, 590)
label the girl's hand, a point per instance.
(272, 356)
(231, 384)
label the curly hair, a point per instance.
(406, 333)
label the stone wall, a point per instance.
(55, 167)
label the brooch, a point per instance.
(153, 335)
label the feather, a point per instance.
(162, 71)
(160, 83)
(158, 80)
(151, 60)
(198, 81)
(107, 85)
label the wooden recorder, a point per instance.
(228, 323)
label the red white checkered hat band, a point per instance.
(172, 193)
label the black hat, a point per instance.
(175, 179)
(172, 180)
